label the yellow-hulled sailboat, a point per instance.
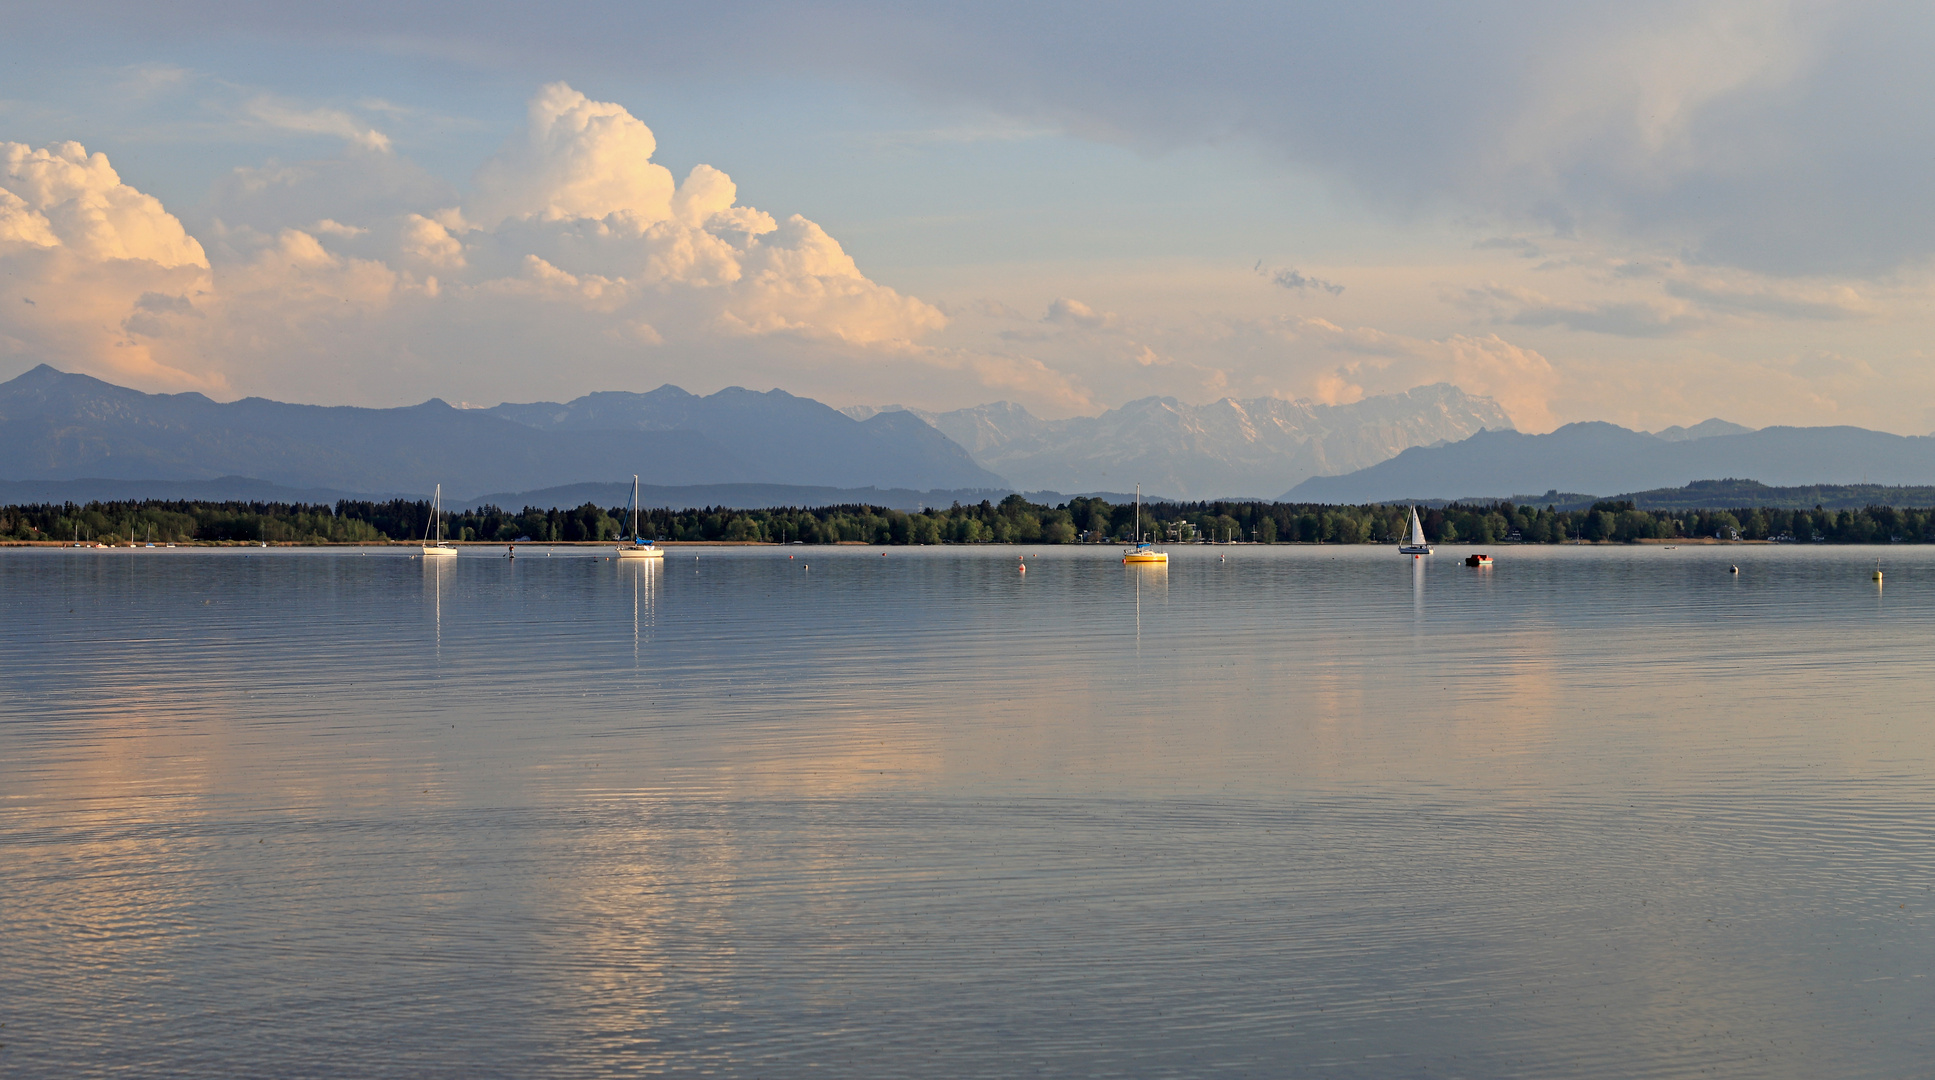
(638, 549)
(1142, 552)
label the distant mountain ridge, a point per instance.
(788, 438)
(1226, 448)
(1596, 456)
(59, 426)
(220, 489)
(1731, 493)
(770, 496)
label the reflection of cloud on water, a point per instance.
(852, 757)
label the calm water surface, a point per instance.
(795, 812)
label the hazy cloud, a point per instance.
(335, 122)
(1787, 137)
(1296, 281)
(1624, 318)
(1066, 312)
(1781, 300)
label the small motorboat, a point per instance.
(1478, 559)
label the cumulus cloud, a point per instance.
(575, 158)
(86, 260)
(64, 196)
(572, 248)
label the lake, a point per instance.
(1313, 811)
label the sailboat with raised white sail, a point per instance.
(1414, 544)
(439, 549)
(638, 548)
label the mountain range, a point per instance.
(1249, 448)
(61, 429)
(59, 426)
(64, 434)
(1604, 457)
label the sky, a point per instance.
(1646, 213)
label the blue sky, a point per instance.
(1647, 213)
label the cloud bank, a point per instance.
(572, 248)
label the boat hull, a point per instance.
(640, 553)
(1414, 549)
(431, 551)
(1146, 559)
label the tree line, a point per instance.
(1013, 520)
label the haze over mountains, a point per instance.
(1605, 458)
(1252, 448)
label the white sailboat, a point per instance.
(638, 548)
(1142, 552)
(439, 549)
(1415, 545)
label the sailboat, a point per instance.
(438, 549)
(1141, 551)
(1415, 545)
(638, 548)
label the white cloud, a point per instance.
(575, 254)
(576, 158)
(84, 256)
(83, 203)
(1064, 311)
(430, 242)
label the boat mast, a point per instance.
(634, 508)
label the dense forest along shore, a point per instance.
(1014, 520)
